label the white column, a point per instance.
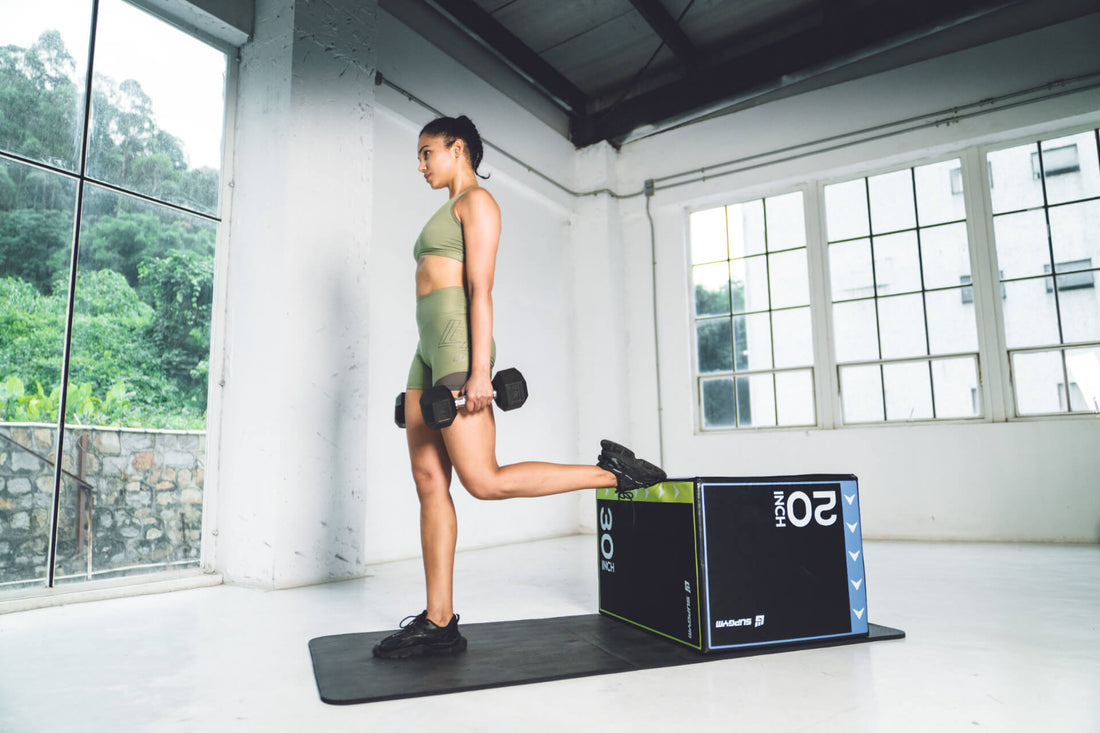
(289, 465)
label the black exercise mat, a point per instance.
(515, 653)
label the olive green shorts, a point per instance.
(443, 354)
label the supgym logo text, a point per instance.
(731, 622)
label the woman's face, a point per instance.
(438, 162)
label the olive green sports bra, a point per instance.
(442, 235)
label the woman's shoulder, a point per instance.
(476, 201)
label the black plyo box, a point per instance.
(725, 563)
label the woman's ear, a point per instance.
(458, 148)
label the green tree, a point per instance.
(35, 245)
(180, 287)
(38, 101)
(141, 319)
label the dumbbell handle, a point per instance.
(461, 399)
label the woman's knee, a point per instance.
(483, 485)
(430, 482)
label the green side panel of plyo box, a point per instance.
(782, 560)
(648, 560)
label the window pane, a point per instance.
(1084, 372)
(891, 202)
(790, 281)
(951, 325)
(141, 325)
(955, 382)
(715, 346)
(945, 255)
(1023, 248)
(26, 490)
(712, 289)
(861, 393)
(1013, 185)
(793, 338)
(708, 236)
(937, 200)
(1071, 169)
(139, 359)
(1039, 382)
(36, 230)
(794, 397)
(157, 109)
(901, 326)
(719, 409)
(756, 401)
(752, 337)
(897, 264)
(749, 279)
(850, 271)
(1080, 310)
(1029, 313)
(43, 68)
(1075, 233)
(746, 228)
(855, 331)
(786, 221)
(908, 391)
(846, 210)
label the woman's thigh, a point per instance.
(471, 446)
(431, 464)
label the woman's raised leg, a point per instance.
(471, 445)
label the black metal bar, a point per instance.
(923, 292)
(1054, 277)
(665, 26)
(874, 294)
(484, 27)
(76, 176)
(51, 548)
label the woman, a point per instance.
(456, 261)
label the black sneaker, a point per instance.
(420, 637)
(631, 473)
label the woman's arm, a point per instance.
(480, 217)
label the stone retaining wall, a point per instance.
(127, 498)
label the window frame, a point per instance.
(1004, 384)
(995, 395)
(693, 319)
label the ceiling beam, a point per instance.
(485, 28)
(665, 26)
(846, 31)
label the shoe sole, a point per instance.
(423, 650)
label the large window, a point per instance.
(942, 299)
(110, 150)
(1046, 221)
(754, 341)
(904, 327)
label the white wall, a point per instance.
(309, 478)
(1026, 480)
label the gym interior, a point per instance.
(980, 524)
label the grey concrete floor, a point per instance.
(1000, 638)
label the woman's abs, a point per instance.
(434, 272)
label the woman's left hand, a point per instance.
(479, 392)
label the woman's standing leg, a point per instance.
(431, 470)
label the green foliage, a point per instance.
(144, 288)
(82, 407)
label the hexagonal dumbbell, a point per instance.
(399, 411)
(440, 408)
